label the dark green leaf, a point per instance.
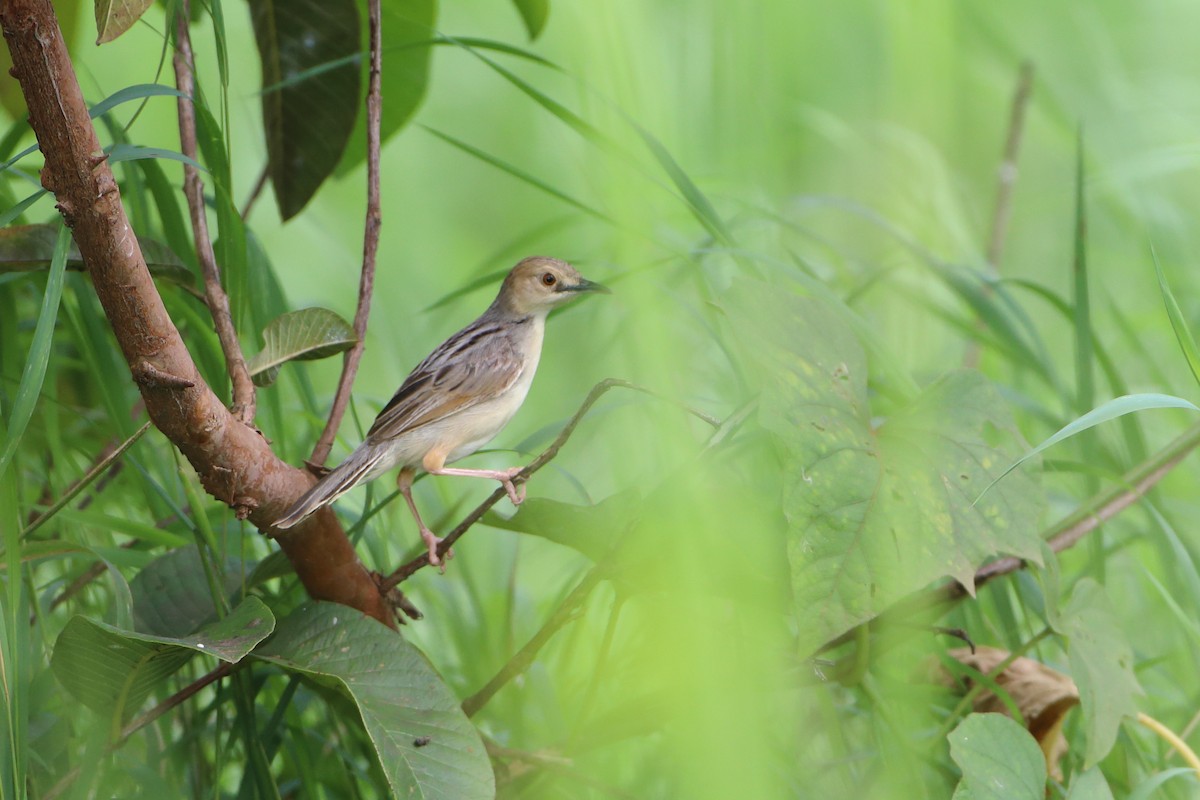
(114, 17)
(533, 14)
(592, 530)
(877, 510)
(1000, 760)
(1101, 664)
(113, 671)
(304, 335)
(171, 595)
(307, 124)
(27, 248)
(408, 27)
(427, 747)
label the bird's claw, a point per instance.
(516, 491)
(431, 542)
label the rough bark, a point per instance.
(235, 463)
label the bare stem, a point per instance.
(366, 283)
(193, 188)
(255, 192)
(565, 613)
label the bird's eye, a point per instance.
(548, 279)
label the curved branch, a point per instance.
(235, 463)
(193, 188)
(366, 284)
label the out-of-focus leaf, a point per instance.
(11, 98)
(1101, 664)
(1090, 785)
(592, 530)
(304, 335)
(877, 509)
(408, 30)
(1043, 696)
(113, 671)
(533, 14)
(1183, 333)
(998, 758)
(171, 595)
(427, 747)
(307, 124)
(114, 17)
(27, 248)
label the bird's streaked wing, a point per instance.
(475, 365)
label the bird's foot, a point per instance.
(516, 491)
(431, 542)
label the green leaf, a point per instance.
(307, 124)
(408, 26)
(27, 248)
(114, 17)
(592, 530)
(1102, 413)
(1183, 333)
(34, 372)
(1101, 665)
(876, 510)
(304, 335)
(533, 14)
(426, 745)
(113, 671)
(1000, 760)
(1090, 785)
(171, 595)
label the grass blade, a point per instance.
(1183, 334)
(1085, 382)
(39, 353)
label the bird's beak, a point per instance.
(585, 285)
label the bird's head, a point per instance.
(538, 284)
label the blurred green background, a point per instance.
(826, 136)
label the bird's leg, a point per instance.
(516, 492)
(404, 484)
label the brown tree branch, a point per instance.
(193, 188)
(234, 463)
(366, 283)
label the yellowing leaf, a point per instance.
(114, 17)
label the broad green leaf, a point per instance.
(26, 248)
(426, 745)
(171, 595)
(307, 124)
(112, 671)
(408, 28)
(30, 388)
(1183, 333)
(1090, 785)
(1101, 664)
(304, 335)
(592, 530)
(1000, 760)
(1103, 413)
(877, 509)
(114, 17)
(533, 14)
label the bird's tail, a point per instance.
(359, 466)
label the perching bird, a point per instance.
(460, 396)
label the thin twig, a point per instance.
(565, 613)
(1006, 179)
(193, 188)
(542, 459)
(366, 283)
(256, 192)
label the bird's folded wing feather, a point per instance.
(472, 367)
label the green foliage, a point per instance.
(999, 759)
(792, 219)
(304, 335)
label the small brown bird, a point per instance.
(460, 396)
